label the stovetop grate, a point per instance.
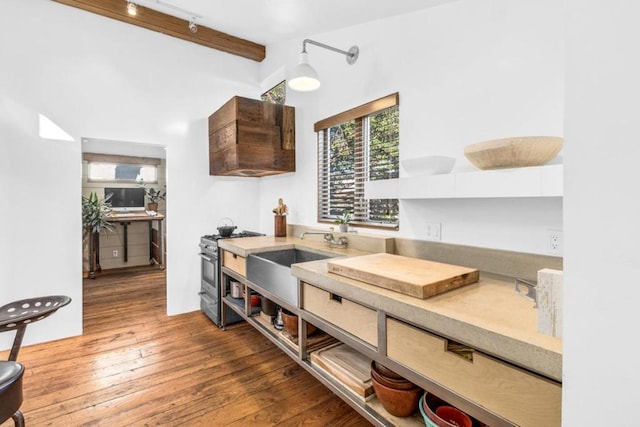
(243, 233)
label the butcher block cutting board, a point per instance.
(347, 365)
(409, 276)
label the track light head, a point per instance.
(193, 27)
(132, 8)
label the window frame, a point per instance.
(360, 115)
(95, 158)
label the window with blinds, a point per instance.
(353, 147)
(124, 169)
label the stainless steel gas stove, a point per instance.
(210, 278)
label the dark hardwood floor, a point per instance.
(135, 366)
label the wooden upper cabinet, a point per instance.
(249, 137)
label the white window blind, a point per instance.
(355, 146)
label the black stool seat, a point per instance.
(11, 392)
(18, 314)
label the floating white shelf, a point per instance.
(537, 181)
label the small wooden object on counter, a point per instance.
(280, 225)
(249, 137)
(409, 276)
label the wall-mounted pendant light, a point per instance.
(304, 78)
(132, 8)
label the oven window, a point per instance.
(209, 271)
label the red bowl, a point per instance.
(454, 416)
(255, 301)
(432, 405)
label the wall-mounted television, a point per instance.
(126, 199)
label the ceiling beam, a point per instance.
(170, 25)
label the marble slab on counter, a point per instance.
(487, 315)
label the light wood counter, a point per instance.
(489, 315)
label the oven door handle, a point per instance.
(204, 257)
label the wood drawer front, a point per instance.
(354, 318)
(516, 395)
(234, 262)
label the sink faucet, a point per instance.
(328, 238)
(315, 232)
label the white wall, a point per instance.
(41, 189)
(467, 71)
(463, 71)
(601, 213)
(101, 78)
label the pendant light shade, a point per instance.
(304, 78)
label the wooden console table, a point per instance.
(156, 246)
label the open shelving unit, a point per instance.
(382, 333)
(299, 351)
(536, 181)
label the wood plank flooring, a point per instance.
(135, 366)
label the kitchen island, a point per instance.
(514, 377)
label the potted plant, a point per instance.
(343, 221)
(95, 218)
(153, 195)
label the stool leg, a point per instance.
(17, 342)
(18, 419)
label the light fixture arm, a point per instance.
(351, 54)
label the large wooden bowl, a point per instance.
(513, 152)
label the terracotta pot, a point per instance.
(393, 383)
(384, 371)
(290, 322)
(152, 207)
(401, 403)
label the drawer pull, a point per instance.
(336, 298)
(460, 350)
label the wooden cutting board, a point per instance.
(409, 276)
(347, 365)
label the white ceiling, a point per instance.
(271, 21)
(265, 22)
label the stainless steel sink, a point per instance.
(272, 271)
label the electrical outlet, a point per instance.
(115, 253)
(434, 230)
(555, 242)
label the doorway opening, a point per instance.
(129, 179)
